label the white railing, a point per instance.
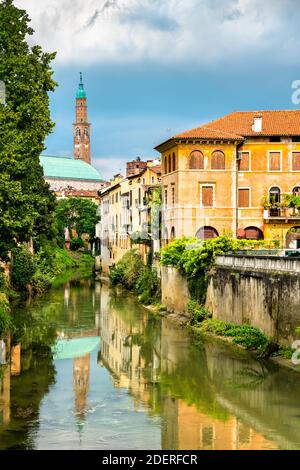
(257, 263)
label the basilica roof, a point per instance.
(69, 168)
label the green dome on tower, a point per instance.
(80, 91)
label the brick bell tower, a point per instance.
(82, 144)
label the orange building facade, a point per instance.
(230, 177)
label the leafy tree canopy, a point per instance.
(76, 213)
(26, 202)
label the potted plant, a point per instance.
(266, 202)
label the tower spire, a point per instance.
(82, 149)
(80, 91)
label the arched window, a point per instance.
(296, 191)
(218, 160)
(166, 165)
(206, 233)
(274, 195)
(169, 160)
(253, 233)
(77, 132)
(166, 239)
(196, 160)
(173, 162)
(173, 233)
(86, 132)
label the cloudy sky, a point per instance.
(155, 67)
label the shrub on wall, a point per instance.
(194, 258)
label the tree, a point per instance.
(26, 202)
(77, 214)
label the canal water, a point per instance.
(88, 368)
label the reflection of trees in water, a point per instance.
(27, 391)
(250, 377)
(190, 382)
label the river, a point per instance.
(89, 368)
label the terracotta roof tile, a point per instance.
(156, 169)
(238, 125)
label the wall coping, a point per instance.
(269, 264)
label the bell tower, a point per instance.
(82, 144)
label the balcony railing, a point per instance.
(281, 213)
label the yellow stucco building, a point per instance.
(125, 213)
(229, 177)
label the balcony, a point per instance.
(281, 213)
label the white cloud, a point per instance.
(205, 31)
(110, 166)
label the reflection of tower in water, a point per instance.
(81, 382)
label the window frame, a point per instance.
(189, 161)
(208, 185)
(240, 152)
(294, 171)
(249, 205)
(211, 160)
(166, 198)
(274, 151)
(173, 196)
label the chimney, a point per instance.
(257, 123)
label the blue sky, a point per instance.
(153, 68)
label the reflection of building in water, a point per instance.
(66, 294)
(185, 428)
(121, 350)
(5, 397)
(15, 359)
(81, 381)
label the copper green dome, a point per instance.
(69, 168)
(80, 91)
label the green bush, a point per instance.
(172, 253)
(23, 267)
(129, 267)
(197, 311)
(116, 274)
(131, 272)
(285, 352)
(76, 243)
(5, 318)
(194, 258)
(248, 336)
(148, 286)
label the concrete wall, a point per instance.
(264, 293)
(174, 289)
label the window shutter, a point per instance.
(207, 196)
(196, 160)
(218, 160)
(244, 198)
(296, 161)
(274, 161)
(244, 161)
